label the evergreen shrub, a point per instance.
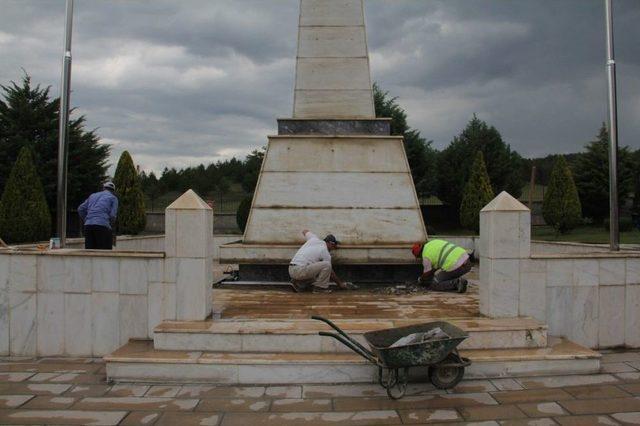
(561, 205)
(24, 214)
(477, 194)
(131, 211)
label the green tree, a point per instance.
(561, 205)
(454, 162)
(242, 214)
(592, 176)
(29, 118)
(131, 212)
(24, 215)
(151, 187)
(636, 183)
(420, 154)
(252, 165)
(477, 194)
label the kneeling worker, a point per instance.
(312, 264)
(444, 265)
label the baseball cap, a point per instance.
(109, 185)
(331, 239)
(416, 249)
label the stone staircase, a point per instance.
(284, 351)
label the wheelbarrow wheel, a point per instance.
(445, 377)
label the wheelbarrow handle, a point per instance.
(365, 354)
(345, 335)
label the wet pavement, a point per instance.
(74, 391)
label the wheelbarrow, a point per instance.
(445, 365)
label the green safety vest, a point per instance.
(442, 254)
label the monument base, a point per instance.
(384, 264)
(360, 274)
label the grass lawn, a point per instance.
(585, 234)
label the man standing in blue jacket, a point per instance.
(98, 213)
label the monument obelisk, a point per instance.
(333, 167)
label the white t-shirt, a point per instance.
(313, 251)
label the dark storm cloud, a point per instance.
(179, 83)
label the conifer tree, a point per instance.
(561, 205)
(131, 212)
(592, 176)
(29, 117)
(24, 214)
(477, 194)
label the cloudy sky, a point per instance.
(178, 83)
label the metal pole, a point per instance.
(63, 138)
(614, 233)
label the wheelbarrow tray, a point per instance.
(415, 354)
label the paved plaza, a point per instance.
(74, 391)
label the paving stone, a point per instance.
(188, 419)
(61, 417)
(333, 391)
(429, 416)
(531, 395)
(163, 391)
(237, 404)
(58, 367)
(506, 384)
(498, 412)
(634, 364)
(141, 418)
(386, 417)
(54, 367)
(409, 402)
(81, 391)
(69, 360)
(300, 405)
(136, 403)
(617, 367)
(15, 377)
(529, 422)
(597, 392)
(204, 391)
(632, 418)
(284, 391)
(586, 421)
(542, 409)
(128, 390)
(602, 406)
(89, 379)
(13, 401)
(42, 377)
(629, 377)
(50, 402)
(620, 357)
(64, 378)
(471, 386)
(632, 388)
(32, 388)
(562, 381)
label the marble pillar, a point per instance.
(188, 245)
(505, 242)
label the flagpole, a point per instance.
(63, 137)
(614, 232)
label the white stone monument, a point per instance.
(333, 168)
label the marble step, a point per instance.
(138, 361)
(301, 336)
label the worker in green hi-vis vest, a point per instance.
(444, 265)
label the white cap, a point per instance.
(109, 185)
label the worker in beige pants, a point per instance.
(312, 264)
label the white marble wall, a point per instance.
(593, 300)
(80, 305)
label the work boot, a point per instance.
(462, 285)
(300, 286)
